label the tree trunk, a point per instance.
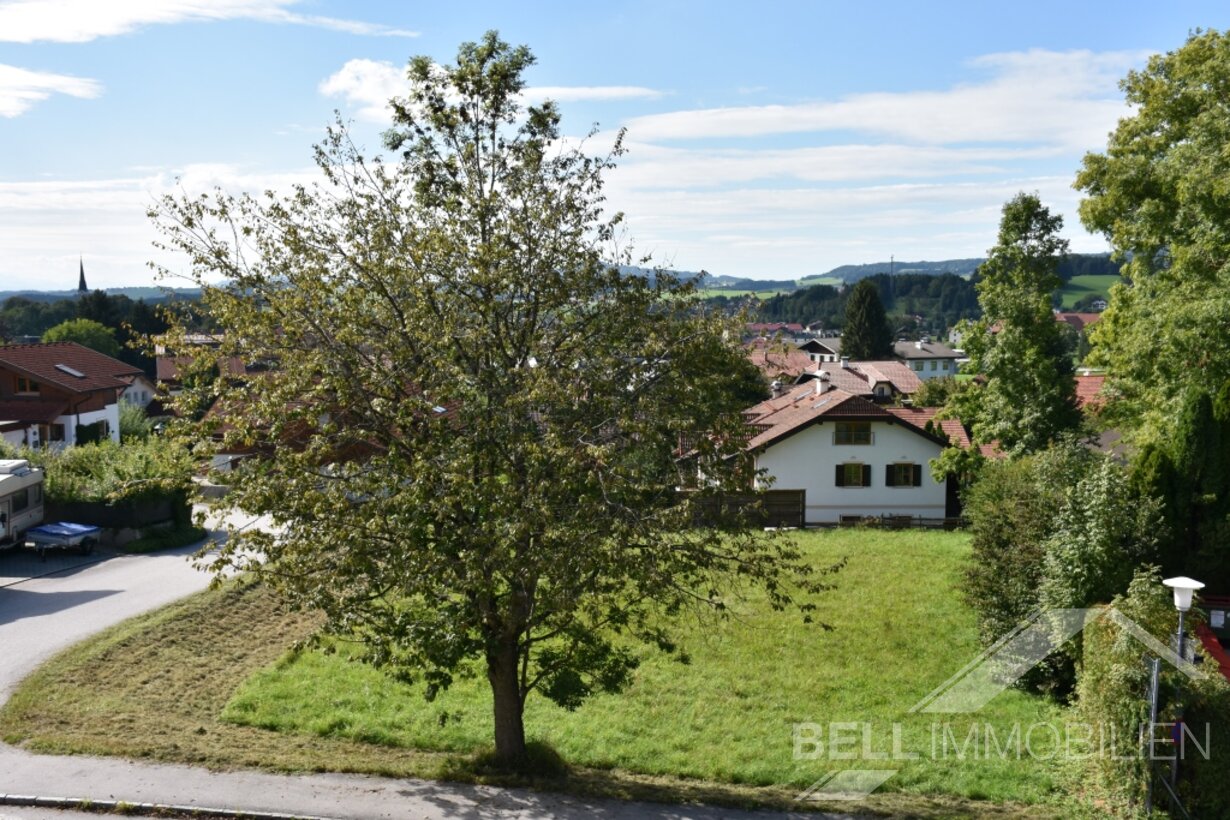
(503, 673)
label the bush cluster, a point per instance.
(1060, 528)
(104, 471)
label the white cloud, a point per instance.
(1067, 98)
(49, 222)
(20, 88)
(367, 85)
(79, 21)
(649, 166)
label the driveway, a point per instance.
(41, 615)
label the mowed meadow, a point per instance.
(721, 712)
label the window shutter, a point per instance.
(917, 475)
(841, 475)
(890, 476)
(866, 475)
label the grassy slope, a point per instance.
(203, 680)
(728, 715)
(1081, 286)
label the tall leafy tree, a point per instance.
(1158, 193)
(866, 334)
(85, 332)
(1029, 398)
(477, 430)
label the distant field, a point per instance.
(808, 281)
(1081, 286)
(706, 293)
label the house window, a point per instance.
(26, 387)
(852, 432)
(853, 475)
(918, 366)
(21, 500)
(55, 433)
(933, 364)
(903, 474)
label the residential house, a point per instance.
(822, 350)
(60, 394)
(140, 391)
(928, 359)
(851, 457)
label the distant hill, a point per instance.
(853, 273)
(149, 294)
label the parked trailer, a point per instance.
(21, 500)
(63, 535)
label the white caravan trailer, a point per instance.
(21, 500)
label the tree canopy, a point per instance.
(1029, 398)
(1158, 193)
(481, 442)
(866, 334)
(85, 332)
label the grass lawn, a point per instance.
(206, 680)
(1081, 286)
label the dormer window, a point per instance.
(26, 387)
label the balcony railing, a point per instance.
(853, 437)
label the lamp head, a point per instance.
(1183, 588)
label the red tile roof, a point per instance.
(774, 327)
(53, 364)
(1080, 321)
(1088, 389)
(779, 417)
(920, 416)
(780, 363)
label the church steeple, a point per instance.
(81, 288)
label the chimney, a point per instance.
(845, 362)
(776, 387)
(918, 345)
(822, 385)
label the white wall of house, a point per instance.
(141, 392)
(17, 438)
(808, 461)
(109, 414)
(932, 368)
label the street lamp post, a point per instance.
(1184, 588)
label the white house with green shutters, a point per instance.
(851, 457)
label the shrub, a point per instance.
(1112, 688)
(165, 539)
(1012, 511)
(1102, 532)
(1112, 692)
(134, 424)
(105, 471)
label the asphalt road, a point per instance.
(40, 616)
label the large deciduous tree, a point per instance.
(1159, 193)
(1029, 398)
(866, 335)
(477, 432)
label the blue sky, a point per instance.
(771, 140)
